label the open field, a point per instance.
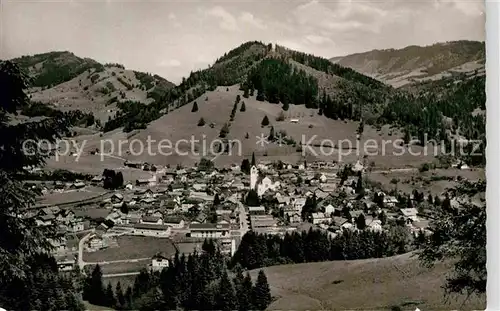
(132, 247)
(434, 182)
(71, 195)
(372, 284)
(91, 307)
(124, 267)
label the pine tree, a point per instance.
(265, 121)
(253, 159)
(238, 98)
(245, 166)
(261, 292)
(96, 294)
(120, 297)
(226, 297)
(361, 222)
(243, 107)
(110, 296)
(195, 107)
(245, 92)
(245, 294)
(201, 122)
(128, 297)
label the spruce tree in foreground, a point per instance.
(261, 292)
(22, 278)
(245, 294)
(226, 298)
(110, 296)
(120, 297)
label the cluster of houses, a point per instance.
(180, 203)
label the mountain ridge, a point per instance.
(400, 67)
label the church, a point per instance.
(261, 185)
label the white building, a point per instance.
(159, 261)
(158, 231)
(209, 230)
(261, 185)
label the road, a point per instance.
(244, 225)
(81, 243)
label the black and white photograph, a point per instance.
(246, 155)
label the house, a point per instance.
(151, 220)
(116, 197)
(282, 200)
(134, 164)
(299, 203)
(199, 187)
(262, 222)
(159, 261)
(319, 218)
(96, 180)
(174, 222)
(329, 209)
(45, 220)
(390, 201)
(209, 230)
(78, 185)
(95, 243)
(256, 210)
(153, 230)
(66, 263)
(410, 214)
(374, 225)
(295, 218)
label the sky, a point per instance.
(172, 38)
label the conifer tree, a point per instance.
(226, 297)
(245, 294)
(265, 121)
(110, 296)
(243, 107)
(261, 292)
(253, 159)
(361, 222)
(195, 107)
(120, 297)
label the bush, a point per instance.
(425, 167)
(310, 126)
(281, 117)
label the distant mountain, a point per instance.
(399, 67)
(68, 82)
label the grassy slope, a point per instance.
(373, 284)
(182, 124)
(83, 89)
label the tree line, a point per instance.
(260, 250)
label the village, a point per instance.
(178, 208)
